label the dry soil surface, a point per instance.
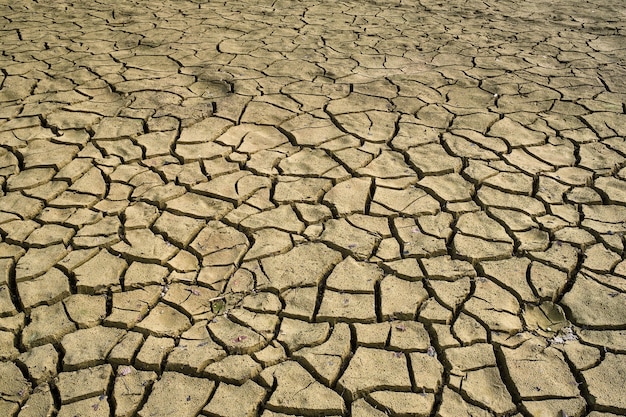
(338, 208)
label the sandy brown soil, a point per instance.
(316, 208)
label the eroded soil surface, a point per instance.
(355, 208)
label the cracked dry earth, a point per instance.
(357, 208)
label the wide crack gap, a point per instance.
(445, 377)
(507, 379)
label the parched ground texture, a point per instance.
(346, 208)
